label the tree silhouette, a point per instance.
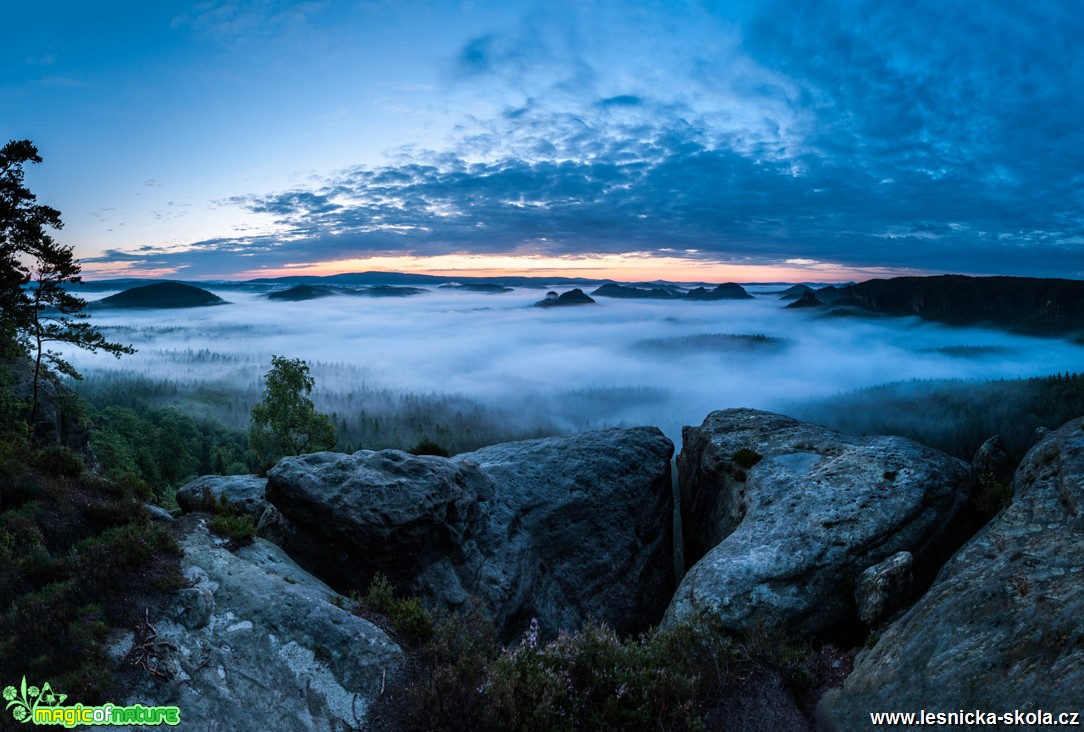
(56, 316)
(35, 271)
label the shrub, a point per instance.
(990, 495)
(239, 529)
(406, 615)
(588, 680)
(59, 461)
(428, 447)
(77, 556)
(746, 457)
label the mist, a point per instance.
(616, 363)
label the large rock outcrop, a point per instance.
(562, 529)
(418, 519)
(781, 517)
(1001, 628)
(257, 643)
(587, 526)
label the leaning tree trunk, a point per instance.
(37, 379)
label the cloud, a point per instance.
(933, 136)
(621, 100)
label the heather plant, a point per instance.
(405, 615)
(591, 679)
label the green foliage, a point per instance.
(954, 416)
(35, 271)
(379, 596)
(59, 460)
(163, 448)
(286, 422)
(363, 416)
(406, 615)
(587, 680)
(240, 529)
(428, 447)
(14, 424)
(228, 520)
(746, 457)
(990, 495)
(77, 556)
(23, 222)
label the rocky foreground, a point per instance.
(786, 526)
(1002, 628)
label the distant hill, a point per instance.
(311, 292)
(302, 292)
(831, 293)
(388, 291)
(807, 300)
(160, 295)
(1024, 304)
(572, 297)
(793, 293)
(725, 291)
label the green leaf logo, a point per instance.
(26, 699)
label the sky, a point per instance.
(701, 141)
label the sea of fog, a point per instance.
(616, 363)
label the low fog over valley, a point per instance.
(509, 370)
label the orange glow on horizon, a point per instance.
(620, 267)
(627, 267)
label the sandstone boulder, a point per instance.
(257, 643)
(561, 529)
(991, 462)
(884, 588)
(245, 493)
(586, 523)
(418, 519)
(780, 517)
(1000, 629)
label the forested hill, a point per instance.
(160, 295)
(1024, 304)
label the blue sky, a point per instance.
(705, 140)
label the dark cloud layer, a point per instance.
(931, 135)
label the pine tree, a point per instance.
(23, 222)
(54, 315)
(35, 271)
